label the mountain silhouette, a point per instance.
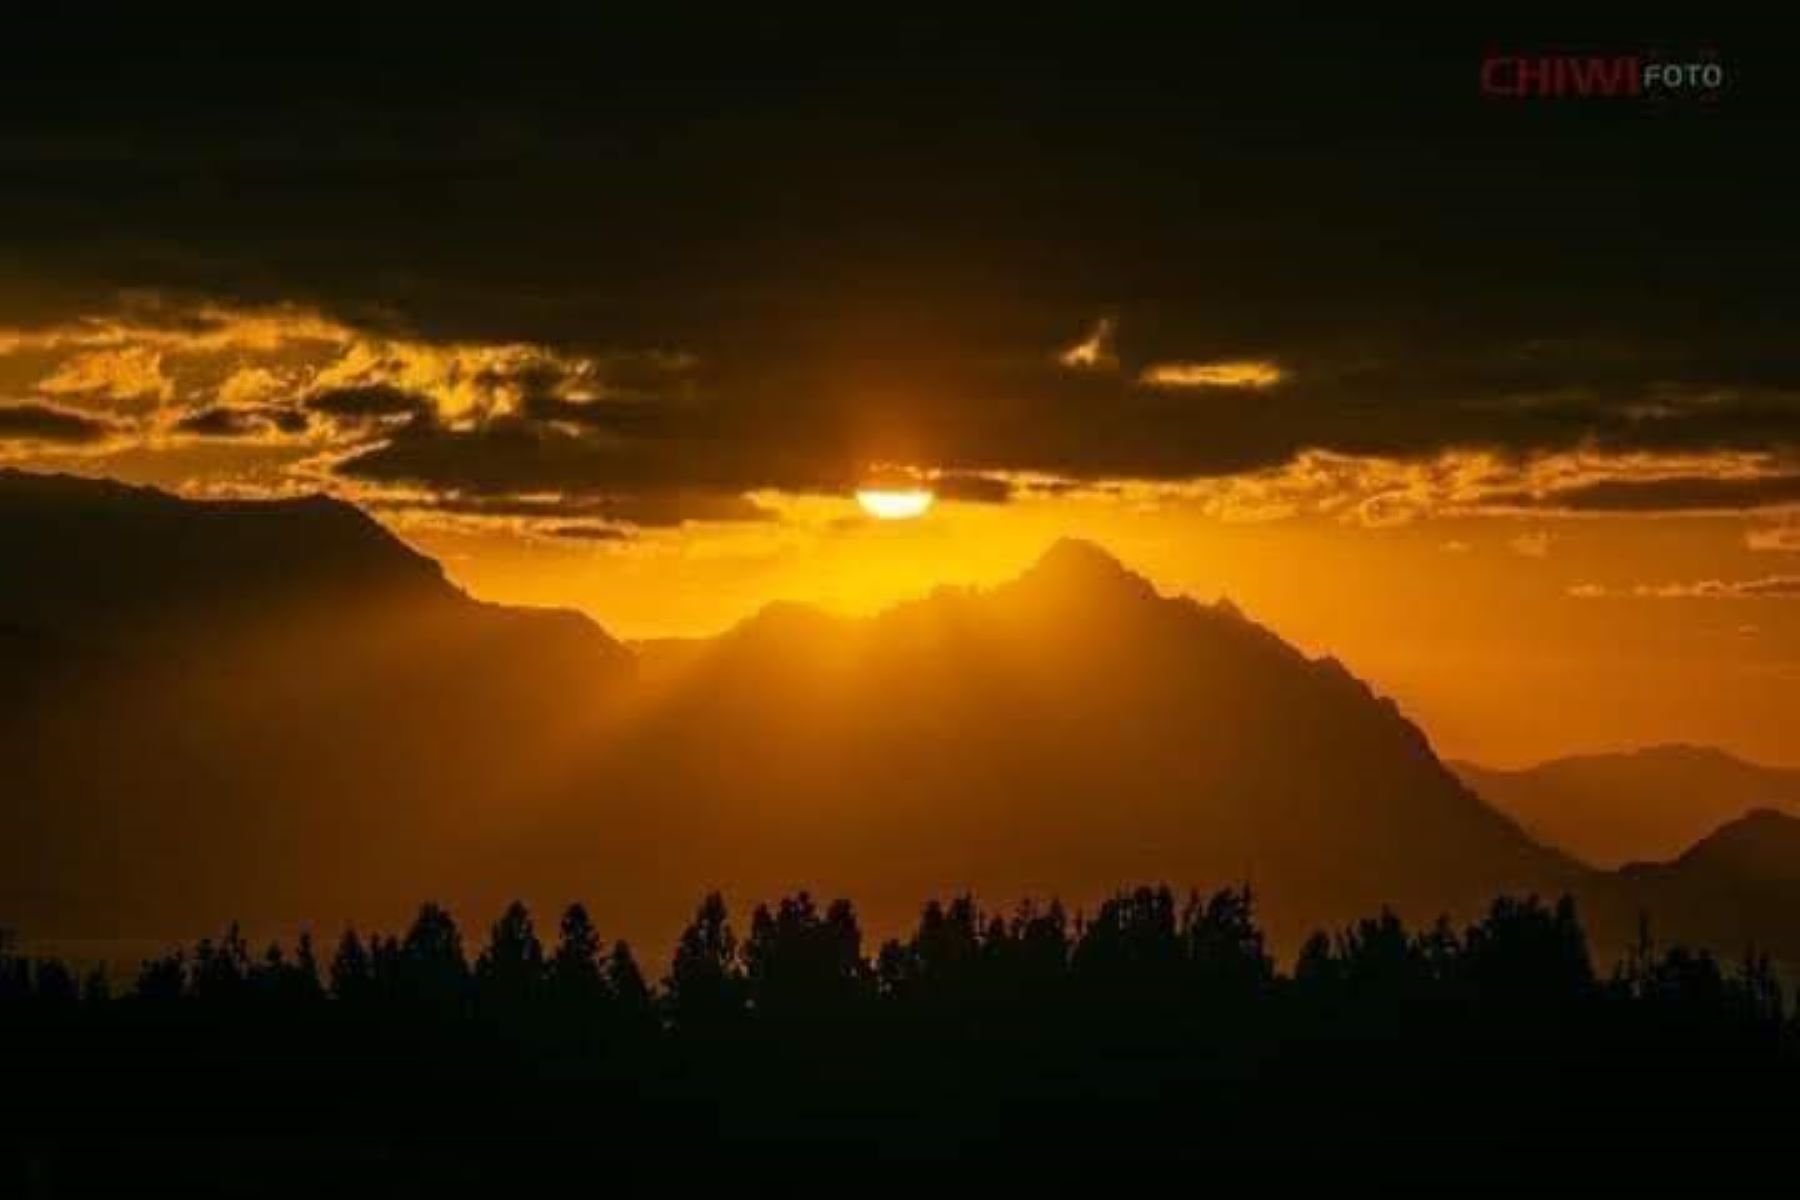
(1649, 804)
(1737, 888)
(107, 559)
(1762, 846)
(277, 711)
(1061, 733)
(263, 706)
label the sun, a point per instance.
(889, 504)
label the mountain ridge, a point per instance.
(1014, 682)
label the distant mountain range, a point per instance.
(277, 711)
(1650, 804)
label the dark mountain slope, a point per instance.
(272, 710)
(1063, 733)
(1736, 889)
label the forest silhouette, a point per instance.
(1025, 1046)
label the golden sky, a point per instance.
(1483, 628)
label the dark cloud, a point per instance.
(515, 454)
(643, 509)
(795, 252)
(1692, 493)
(974, 419)
(287, 420)
(221, 421)
(46, 423)
(374, 400)
(979, 489)
(633, 417)
(589, 533)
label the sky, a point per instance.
(1495, 399)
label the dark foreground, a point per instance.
(1152, 1043)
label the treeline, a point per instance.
(1157, 1022)
(1160, 954)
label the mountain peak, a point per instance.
(1762, 845)
(1075, 565)
(782, 619)
(1760, 828)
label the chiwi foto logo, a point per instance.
(1642, 76)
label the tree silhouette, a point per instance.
(1527, 963)
(510, 971)
(428, 965)
(163, 980)
(1029, 954)
(1225, 948)
(575, 969)
(55, 984)
(1132, 945)
(705, 985)
(801, 963)
(96, 987)
(940, 966)
(352, 970)
(222, 968)
(634, 1007)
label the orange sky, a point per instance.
(1475, 625)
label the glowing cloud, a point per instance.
(127, 373)
(1784, 538)
(1771, 587)
(1535, 544)
(1093, 352)
(1231, 373)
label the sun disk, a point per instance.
(894, 504)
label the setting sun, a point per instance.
(894, 504)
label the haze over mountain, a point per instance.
(1059, 734)
(1649, 804)
(271, 708)
(277, 711)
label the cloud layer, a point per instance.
(655, 437)
(660, 272)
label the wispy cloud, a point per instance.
(1229, 373)
(1535, 544)
(125, 373)
(1781, 538)
(1379, 491)
(1769, 587)
(1094, 351)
